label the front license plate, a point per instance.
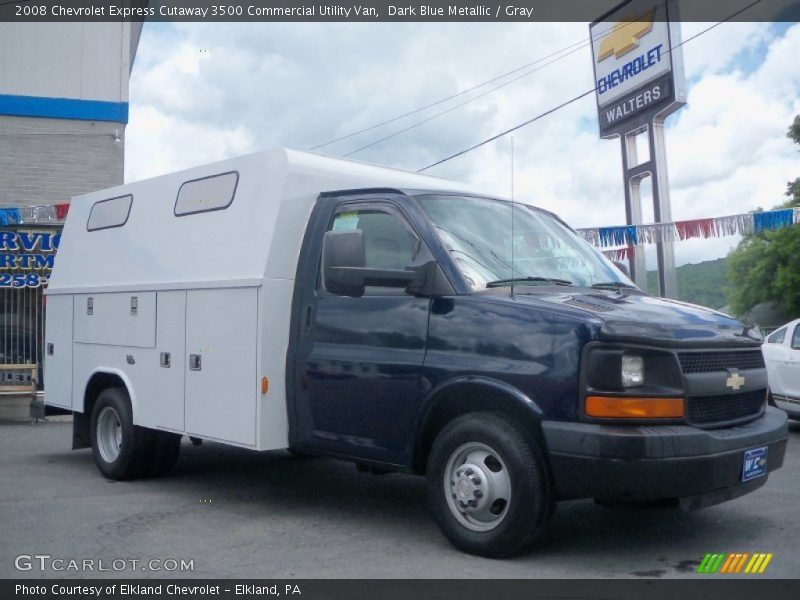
(754, 463)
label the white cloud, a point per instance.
(202, 93)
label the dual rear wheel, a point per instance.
(123, 450)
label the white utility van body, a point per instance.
(160, 280)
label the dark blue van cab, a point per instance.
(486, 345)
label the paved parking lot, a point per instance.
(244, 514)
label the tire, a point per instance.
(163, 454)
(489, 446)
(127, 453)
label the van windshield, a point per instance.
(477, 232)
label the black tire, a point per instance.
(298, 453)
(532, 501)
(136, 447)
(163, 454)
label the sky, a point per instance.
(201, 93)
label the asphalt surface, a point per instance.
(236, 513)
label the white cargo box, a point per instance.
(182, 287)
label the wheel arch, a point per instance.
(101, 378)
(467, 394)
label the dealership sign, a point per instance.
(638, 66)
(26, 257)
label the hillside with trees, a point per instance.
(703, 283)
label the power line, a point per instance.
(579, 96)
(460, 104)
(571, 47)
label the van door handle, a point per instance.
(307, 319)
(195, 362)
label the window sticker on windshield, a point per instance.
(346, 221)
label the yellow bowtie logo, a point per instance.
(624, 37)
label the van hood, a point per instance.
(632, 316)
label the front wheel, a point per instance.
(488, 485)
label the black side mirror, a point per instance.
(343, 250)
(343, 268)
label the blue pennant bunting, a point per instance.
(772, 219)
(9, 216)
(619, 236)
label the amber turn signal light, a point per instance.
(634, 408)
(264, 385)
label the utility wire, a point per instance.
(460, 104)
(579, 96)
(571, 48)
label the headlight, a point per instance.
(632, 370)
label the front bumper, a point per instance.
(633, 462)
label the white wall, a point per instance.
(85, 61)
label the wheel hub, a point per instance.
(468, 487)
(477, 485)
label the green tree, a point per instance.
(766, 265)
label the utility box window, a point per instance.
(113, 212)
(206, 194)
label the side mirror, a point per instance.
(343, 250)
(344, 271)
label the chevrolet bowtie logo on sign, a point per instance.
(735, 381)
(737, 562)
(624, 37)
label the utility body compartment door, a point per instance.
(58, 351)
(116, 319)
(220, 364)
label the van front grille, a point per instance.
(708, 410)
(708, 362)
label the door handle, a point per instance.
(307, 312)
(195, 362)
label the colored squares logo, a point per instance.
(738, 562)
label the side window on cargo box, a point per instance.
(109, 213)
(206, 194)
(388, 240)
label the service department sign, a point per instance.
(638, 65)
(27, 257)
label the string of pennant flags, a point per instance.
(633, 235)
(34, 215)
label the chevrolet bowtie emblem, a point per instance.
(735, 381)
(624, 37)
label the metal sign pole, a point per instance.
(633, 205)
(662, 209)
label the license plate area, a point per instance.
(754, 463)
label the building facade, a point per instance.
(63, 113)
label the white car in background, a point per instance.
(782, 355)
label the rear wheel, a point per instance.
(488, 485)
(123, 450)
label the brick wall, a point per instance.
(47, 161)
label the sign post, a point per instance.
(638, 68)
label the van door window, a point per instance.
(388, 241)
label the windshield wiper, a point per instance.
(526, 280)
(613, 285)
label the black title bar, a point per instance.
(699, 587)
(375, 10)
